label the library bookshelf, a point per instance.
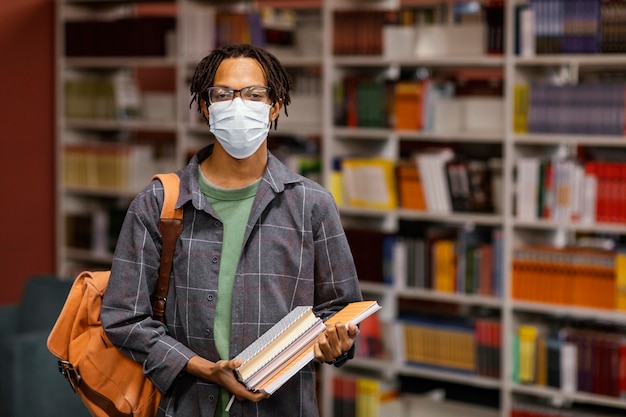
(548, 312)
(483, 121)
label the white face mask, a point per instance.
(239, 127)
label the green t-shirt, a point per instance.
(233, 207)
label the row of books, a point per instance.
(564, 188)
(357, 396)
(428, 105)
(593, 108)
(111, 166)
(571, 359)
(104, 97)
(443, 259)
(124, 36)
(569, 276)
(572, 26)
(468, 346)
(234, 28)
(433, 180)
(458, 261)
(362, 32)
(274, 29)
(533, 410)
(287, 346)
(95, 230)
(364, 396)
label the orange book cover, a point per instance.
(408, 102)
(410, 187)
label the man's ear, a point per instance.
(204, 107)
(275, 110)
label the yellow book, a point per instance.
(445, 271)
(369, 183)
(620, 280)
(520, 108)
(372, 396)
(527, 353)
(542, 362)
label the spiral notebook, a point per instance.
(287, 347)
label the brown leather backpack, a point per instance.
(108, 382)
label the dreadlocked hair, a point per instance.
(278, 79)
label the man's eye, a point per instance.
(218, 95)
(257, 94)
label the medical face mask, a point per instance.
(239, 127)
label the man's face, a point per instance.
(238, 73)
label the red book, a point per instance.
(486, 269)
(622, 368)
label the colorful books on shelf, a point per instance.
(571, 359)
(445, 343)
(567, 276)
(593, 108)
(113, 166)
(237, 27)
(565, 189)
(360, 396)
(115, 96)
(287, 347)
(575, 26)
(446, 259)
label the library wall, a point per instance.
(27, 157)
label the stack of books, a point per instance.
(288, 346)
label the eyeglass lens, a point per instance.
(251, 93)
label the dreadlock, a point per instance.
(277, 77)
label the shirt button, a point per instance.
(211, 397)
(214, 259)
(208, 332)
(210, 297)
(218, 223)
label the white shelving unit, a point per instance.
(183, 132)
(183, 136)
(384, 142)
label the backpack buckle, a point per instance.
(71, 373)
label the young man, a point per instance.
(258, 240)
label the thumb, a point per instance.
(235, 363)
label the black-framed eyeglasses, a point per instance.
(250, 93)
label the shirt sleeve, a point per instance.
(336, 277)
(336, 280)
(126, 308)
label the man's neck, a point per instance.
(227, 172)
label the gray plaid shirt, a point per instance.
(294, 253)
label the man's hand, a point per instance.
(221, 373)
(335, 341)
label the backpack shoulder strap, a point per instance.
(171, 189)
(170, 226)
